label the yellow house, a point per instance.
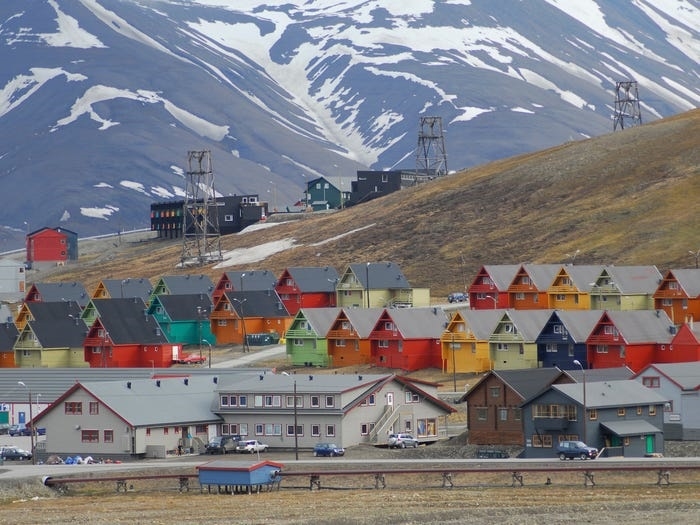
(465, 342)
(571, 288)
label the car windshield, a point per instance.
(332, 445)
(580, 444)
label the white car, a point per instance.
(402, 441)
(251, 446)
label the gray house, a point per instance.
(345, 409)
(624, 418)
(679, 383)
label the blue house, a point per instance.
(563, 338)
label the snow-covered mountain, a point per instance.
(100, 100)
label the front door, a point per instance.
(650, 443)
(390, 399)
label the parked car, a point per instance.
(457, 297)
(328, 449)
(402, 441)
(222, 444)
(18, 430)
(4, 428)
(251, 446)
(576, 449)
(15, 453)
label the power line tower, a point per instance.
(626, 105)
(431, 156)
(201, 238)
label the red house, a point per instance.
(684, 347)
(51, 245)
(408, 338)
(489, 290)
(307, 288)
(628, 338)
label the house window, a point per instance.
(273, 401)
(148, 431)
(273, 429)
(473, 348)
(260, 429)
(315, 430)
(242, 401)
(626, 441)
(242, 429)
(560, 297)
(90, 436)
(482, 413)
(221, 322)
(330, 402)
(550, 347)
(502, 347)
(298, 342)
(330, 430)
(73, 408)
(495, 391)
(520, 296)
(290, 401)
(592, 414)
(601, 349)
(621, 412)
(94, 408)
(166, 431)
(232, 401)
(389, 326)
(340, 342)
(290, 430)
(673, 285)
(224, 401)
(509, 328)
(372, 399)
(542, 440)
(108, 436)
(651, 381)
(503, 413)
(668, 407)
(315, 401)
(652, 410)
(258, 400)
(345, 325)
(364, 429)
(412, 397)
(517, 414)
(557, 329)
(383, 343)
(639, 411)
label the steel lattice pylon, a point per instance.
(431, 156)
(202, 237)
(626, 105)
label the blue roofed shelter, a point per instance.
(234, 477)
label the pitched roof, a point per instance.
(251, 280)
(481, 322)
(642, 326)
(258, 303)
(635, 279)
(530, 382)
(320, 319)
(502, 274)
(603, 394)
(8, 336)
(579, 323)
(542, 275)
(44, 311)
(685, 375)
(130, 287)
(127, 322)
(58, 292)
(59, 333)
(379, 276)
(583, 276)
(310, 279)
(688, 279)
(363, 320)
(529, 322)
(419, 323)
(184, 307)
(601, 374)
(186, 284)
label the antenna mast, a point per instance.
(431, 156)
(626, 105)
(202, 237)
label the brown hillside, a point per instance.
(629, 197)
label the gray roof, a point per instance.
(252, 280)
(642, 326)
(363, 320)
(130, 287)
(528, 382)
(688, 279)
(502, 275)
(185, 284)
(482, 323)
(54, 310)
(579, 323)
(632, 427)
(601, 374)
(59, 333)
(161, 401)
(583, 275)
(419, 323)
(542, 275)
(51, 383)
(320, 319)
(310, 279)
(57, 292)
(184, 307)
(381, 275)
(127, 321)
(8, 336)
(685, 375)
(634, 279)
(604, 394)
(305, 383)
(528, 322)
(258, 303)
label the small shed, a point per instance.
(236, 477)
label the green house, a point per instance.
(184, 318)
(306, 338)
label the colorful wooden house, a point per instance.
(238, 315)
(628, 338)
(184, 318)
(373, 285)
(625, 288)
(57, 292)
(239, 281)
(684, 347)
(408, 338)
(465, 342)
(51, 342)
(494, 416)
(571, 289)
(348, 337)
(528, 290)
(183, 285)
(31, 311)
(563, 338)
(678, 295)
(8, 338)
(139, 287)
(125, 335)
(52, 246)
(307, 337)
(513, 343)
(307, 287)
(489, 290)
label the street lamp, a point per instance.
(696, 255)
(583, 371)
(367, 282)
(209, 344)
(31, 416)
(241, 279)
(296, 434)
(454, 367)
(200, 314)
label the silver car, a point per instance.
(402, 441)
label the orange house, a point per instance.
(528, 290)
(678, 295)
(238, 314)
(348, 338)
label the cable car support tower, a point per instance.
(201, 237)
